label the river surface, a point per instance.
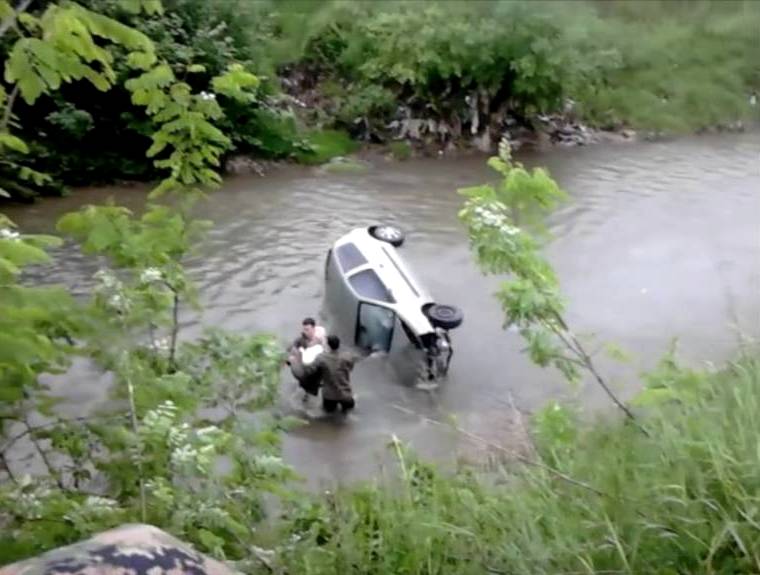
(661, 240)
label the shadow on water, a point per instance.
(660, 240)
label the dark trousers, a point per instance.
(330, 405)
(311, 384)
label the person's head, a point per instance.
(333, 341)
(308, 326)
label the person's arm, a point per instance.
(321, 335)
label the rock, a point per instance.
(239, 165)
(133, 548)
(483, 142)
(628, 134)
(341, 165)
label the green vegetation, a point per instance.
(326, 144)
(400, 150)
(436, 71)
(151, 455)
(603, 499)
(188, 443)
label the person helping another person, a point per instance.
(333, 368)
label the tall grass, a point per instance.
(684, 500)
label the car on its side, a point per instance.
(375, 301)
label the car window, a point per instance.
(367, 284)
(350, 257)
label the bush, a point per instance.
(326, 144)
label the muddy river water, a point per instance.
(661, 240)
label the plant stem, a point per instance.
(175, 329)
(576, 347)
(135, 429)
(8, 109)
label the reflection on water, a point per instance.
(661, 240)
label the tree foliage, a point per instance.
(499, 220)
(152, 454)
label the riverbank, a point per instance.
(415, 78)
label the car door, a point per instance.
(374, 327)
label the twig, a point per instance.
(592, 369)
(31, 429)
(11, 20)
(572, 343)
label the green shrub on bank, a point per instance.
(684, 500)
(323, 145)
(654, 65)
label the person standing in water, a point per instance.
(312, 335)
(334, 368)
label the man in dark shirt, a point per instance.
(334, 367)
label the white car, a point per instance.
(375, 302)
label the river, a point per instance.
(661, 240)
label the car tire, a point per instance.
(445, 316)
(388, 234)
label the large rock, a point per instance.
(127, 550)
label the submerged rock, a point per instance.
(343, 165)
(240, 165)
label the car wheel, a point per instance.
(445, 316)
(388, 234)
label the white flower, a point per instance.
(208, 96)
(161, 344)
(8, 234)
(95, 501)
(150, 275)
(269, 463)
(118, 302)
(184, 455)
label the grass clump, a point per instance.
(683, 500)
(400, 150)
(321, 146)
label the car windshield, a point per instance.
(367, 284)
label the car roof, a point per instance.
(407, 293)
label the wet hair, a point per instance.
(333, 341)
(309, 321)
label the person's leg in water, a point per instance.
(331, 405)
(309, 384)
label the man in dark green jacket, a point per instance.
(334, 368)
